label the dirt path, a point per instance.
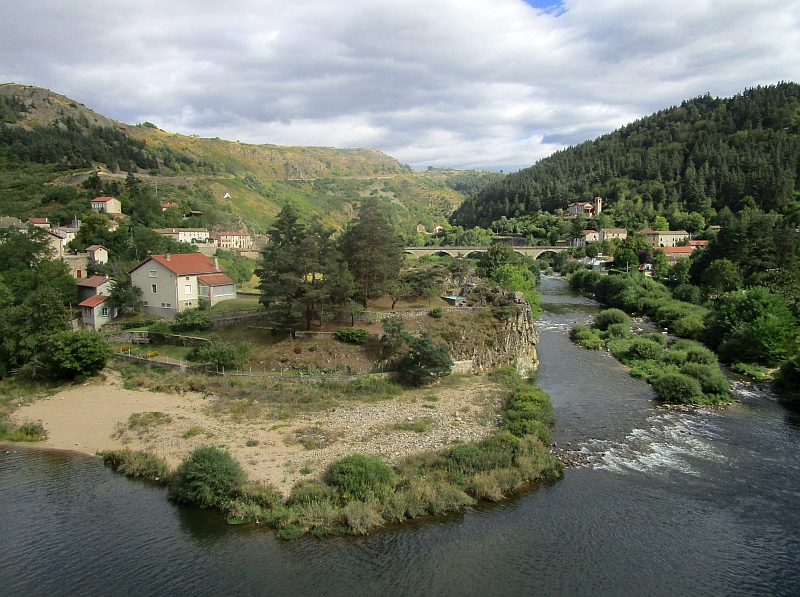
(95, 417)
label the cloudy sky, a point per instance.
(491, 84)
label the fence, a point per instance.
(143, 337)
(180, 366)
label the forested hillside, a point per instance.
(49, 141)
(703, 156)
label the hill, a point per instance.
(49, 141)
(700, 157)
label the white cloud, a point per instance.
(469, 83)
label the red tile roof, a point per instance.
(677, 250)
(185, 263)
(93, 301)
(93, 282)
(698, 243)
(38, 220)
(215, 280)
(102, 199)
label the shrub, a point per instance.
(675, 387)
(221, 354)
(361, 518)
(529, 412)
(609, 317)
(712, 381)
(79, 353)
(645, 350)
(159, 331)
(436, 313)
(586, 337)
(352, 335)
(702, 355)
(787, 380)
(618, 330)
(206, 477)
(310, 492)
(425, 361)
(361, 477)
(191, 319)
(137, 464)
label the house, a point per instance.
(185, 235)
(95, 311)
(588, 236)
(698, 244)
(166, 206)
(56, 244)
(38, 222)
(612, 233)
(11, 222)
(67, 233)
(108, 205)
(232, 240)
(663, 238)
(675, 253)
(586, 208)
(78, 264)
(171, 283)
(97, 253)
(94, 285)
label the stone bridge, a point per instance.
(464, 251)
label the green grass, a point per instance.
(193, 432)
(417, 425)
(141, 421)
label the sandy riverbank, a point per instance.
(91, 418)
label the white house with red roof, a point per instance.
(171, 283)
(97, 253)
(107, 205)
(587, 236)
(38, 222)
(95, 311)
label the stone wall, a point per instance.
(143, 337)
(182, 367)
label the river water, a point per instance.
(668, 503)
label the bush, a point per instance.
(361, 477)
(586, 337)
(191, 319)
(79, 353)
(159, 331)
(436, 313)
(352, 335)
(529, 412)
(221, 354)
(618, 330)
(712, 381)
(137, 464)
(675, 387)
(643, 349)
(361, 518)
(787, 380)
(425, 361)
(206, 477)
(610, 317)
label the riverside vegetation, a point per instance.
(359, 493)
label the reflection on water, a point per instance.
(703, 502)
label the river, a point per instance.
(668, 503)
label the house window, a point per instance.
(153, 273)
(145, 303)
(153, 289)
(163, 305)
(169, 305)
(187, 277)
(105, 311)
(187, 289)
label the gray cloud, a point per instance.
(468, 83)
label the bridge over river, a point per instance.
(464, 251)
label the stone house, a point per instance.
(232, 240)
(612, 233)
(38, 222)
(171, 283)
(107, 205)
(675, 253)
(663, 238)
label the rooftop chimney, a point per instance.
(216, 264)
(167, 256)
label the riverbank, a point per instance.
(280, 451)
